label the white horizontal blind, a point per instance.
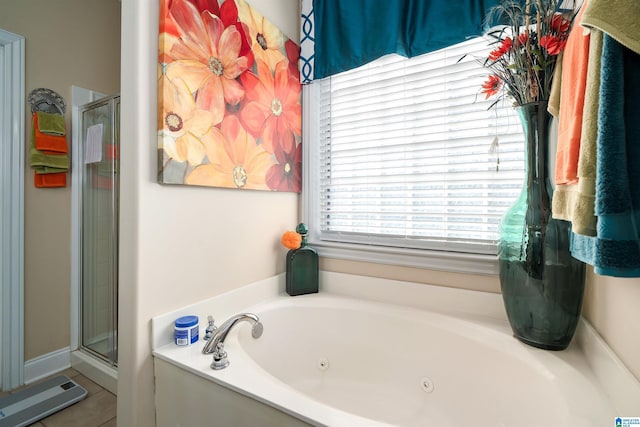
(406, 155)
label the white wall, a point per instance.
(179, 244)
(612, 304)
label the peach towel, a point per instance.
(574, 77)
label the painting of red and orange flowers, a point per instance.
(229, 98)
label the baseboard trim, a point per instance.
(47, 365)
(95, 370)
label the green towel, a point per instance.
(52, 124)
(584, 221)
(553, 107)
(576, 202)
(43, 170)
(38, 159)
(618, 18)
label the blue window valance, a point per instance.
(351, 33)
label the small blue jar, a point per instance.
(186, 330)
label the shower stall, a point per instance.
(98, 192)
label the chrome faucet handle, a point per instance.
(220, 360)
(211, 327)
(257, 329)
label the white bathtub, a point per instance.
(444, 358)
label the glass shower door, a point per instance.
(100, 190)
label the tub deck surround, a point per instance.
(397, 354)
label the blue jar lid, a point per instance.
(186, 321)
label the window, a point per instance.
(407, 163)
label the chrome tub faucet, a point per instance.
(215, 344)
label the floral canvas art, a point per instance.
(229, 98)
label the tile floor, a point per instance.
(98, 409)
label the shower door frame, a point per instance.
(81, 98)
(109, 356)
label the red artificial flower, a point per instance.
(521, 67)
(559, 24)
(505, 46)
(491, 86)
(522, 39)
(553, 44)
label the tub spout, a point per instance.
(223, 330)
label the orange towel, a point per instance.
(49, 143)
(50, 180)
(112, 151)
(574, 77)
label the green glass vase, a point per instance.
(542, 284)
(302, 267)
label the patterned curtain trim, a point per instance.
(307, 42)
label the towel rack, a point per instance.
(47, 101)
